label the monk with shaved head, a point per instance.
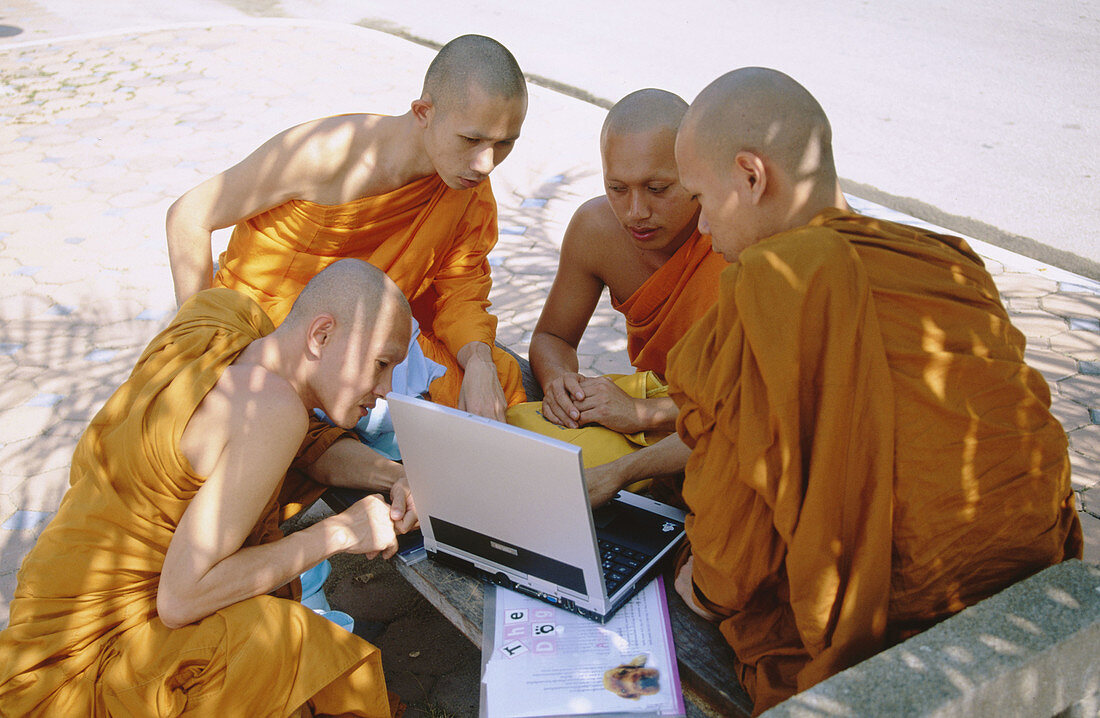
(869, 452)
(163, 585)
(640, 240)
(409, 194)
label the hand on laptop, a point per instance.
(402, 509)
(603, 483)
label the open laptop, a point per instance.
(511, 506)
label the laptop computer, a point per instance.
(511, 506)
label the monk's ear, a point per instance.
(320, 334)
(753, 173)
(423, 109)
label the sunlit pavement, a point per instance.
(98, 134)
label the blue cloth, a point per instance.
(412, 377)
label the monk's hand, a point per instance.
(560, 397)
(402, 509)
(603, 482)
(686, 589)
(606, 404)
(481, 392)
(369, 526)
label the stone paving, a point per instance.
(99, 134)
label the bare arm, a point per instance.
(291, 164)
(481, 392)
(568, 309)
(667, 457)
(352, 464)
(243, 439)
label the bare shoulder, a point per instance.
(247, 404)
(595, 241)
(328, 140)
(256, 394)
(594, 220)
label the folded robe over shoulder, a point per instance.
(432, 241)
(870, 452)
(659, 313)
(84, 638)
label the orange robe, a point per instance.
(433, 241)
(659, 313)
(84, 638)
(870, 452)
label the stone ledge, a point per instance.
(1029, 650)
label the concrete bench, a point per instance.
(1031, 650)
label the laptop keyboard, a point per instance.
(619, 564)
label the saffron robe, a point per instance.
(657, 315)
(84, 638)
(870, 452)
(432, 241)
(660, 311)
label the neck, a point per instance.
(273, 354)
(805, 208)
(405, 152)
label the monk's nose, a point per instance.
(385, 382)
(483, 161)
(639, 208)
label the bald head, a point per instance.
(644, 111)
(763, 111)
(354, 293)
(473, 60)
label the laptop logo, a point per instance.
(502, 547)
(669, 526)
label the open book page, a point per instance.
(543, 661)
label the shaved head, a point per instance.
(353, 292)
(756, 149)
(473, 60)
(644, 111)
(763, 111)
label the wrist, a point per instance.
(337, 538)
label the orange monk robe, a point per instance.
(870, 452)
(432, 241)
(659, 313)
(84, 638)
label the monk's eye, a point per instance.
(469, 140)
(615, 188)
(657, 189)
(382, 363)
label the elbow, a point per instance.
(171, 224)
(172, 611)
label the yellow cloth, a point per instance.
(599, 445)
(669, 302)
(870, 452)
(432, 241)
(84, 638)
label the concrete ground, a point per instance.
(99, 133)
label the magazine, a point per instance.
(539, 661)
